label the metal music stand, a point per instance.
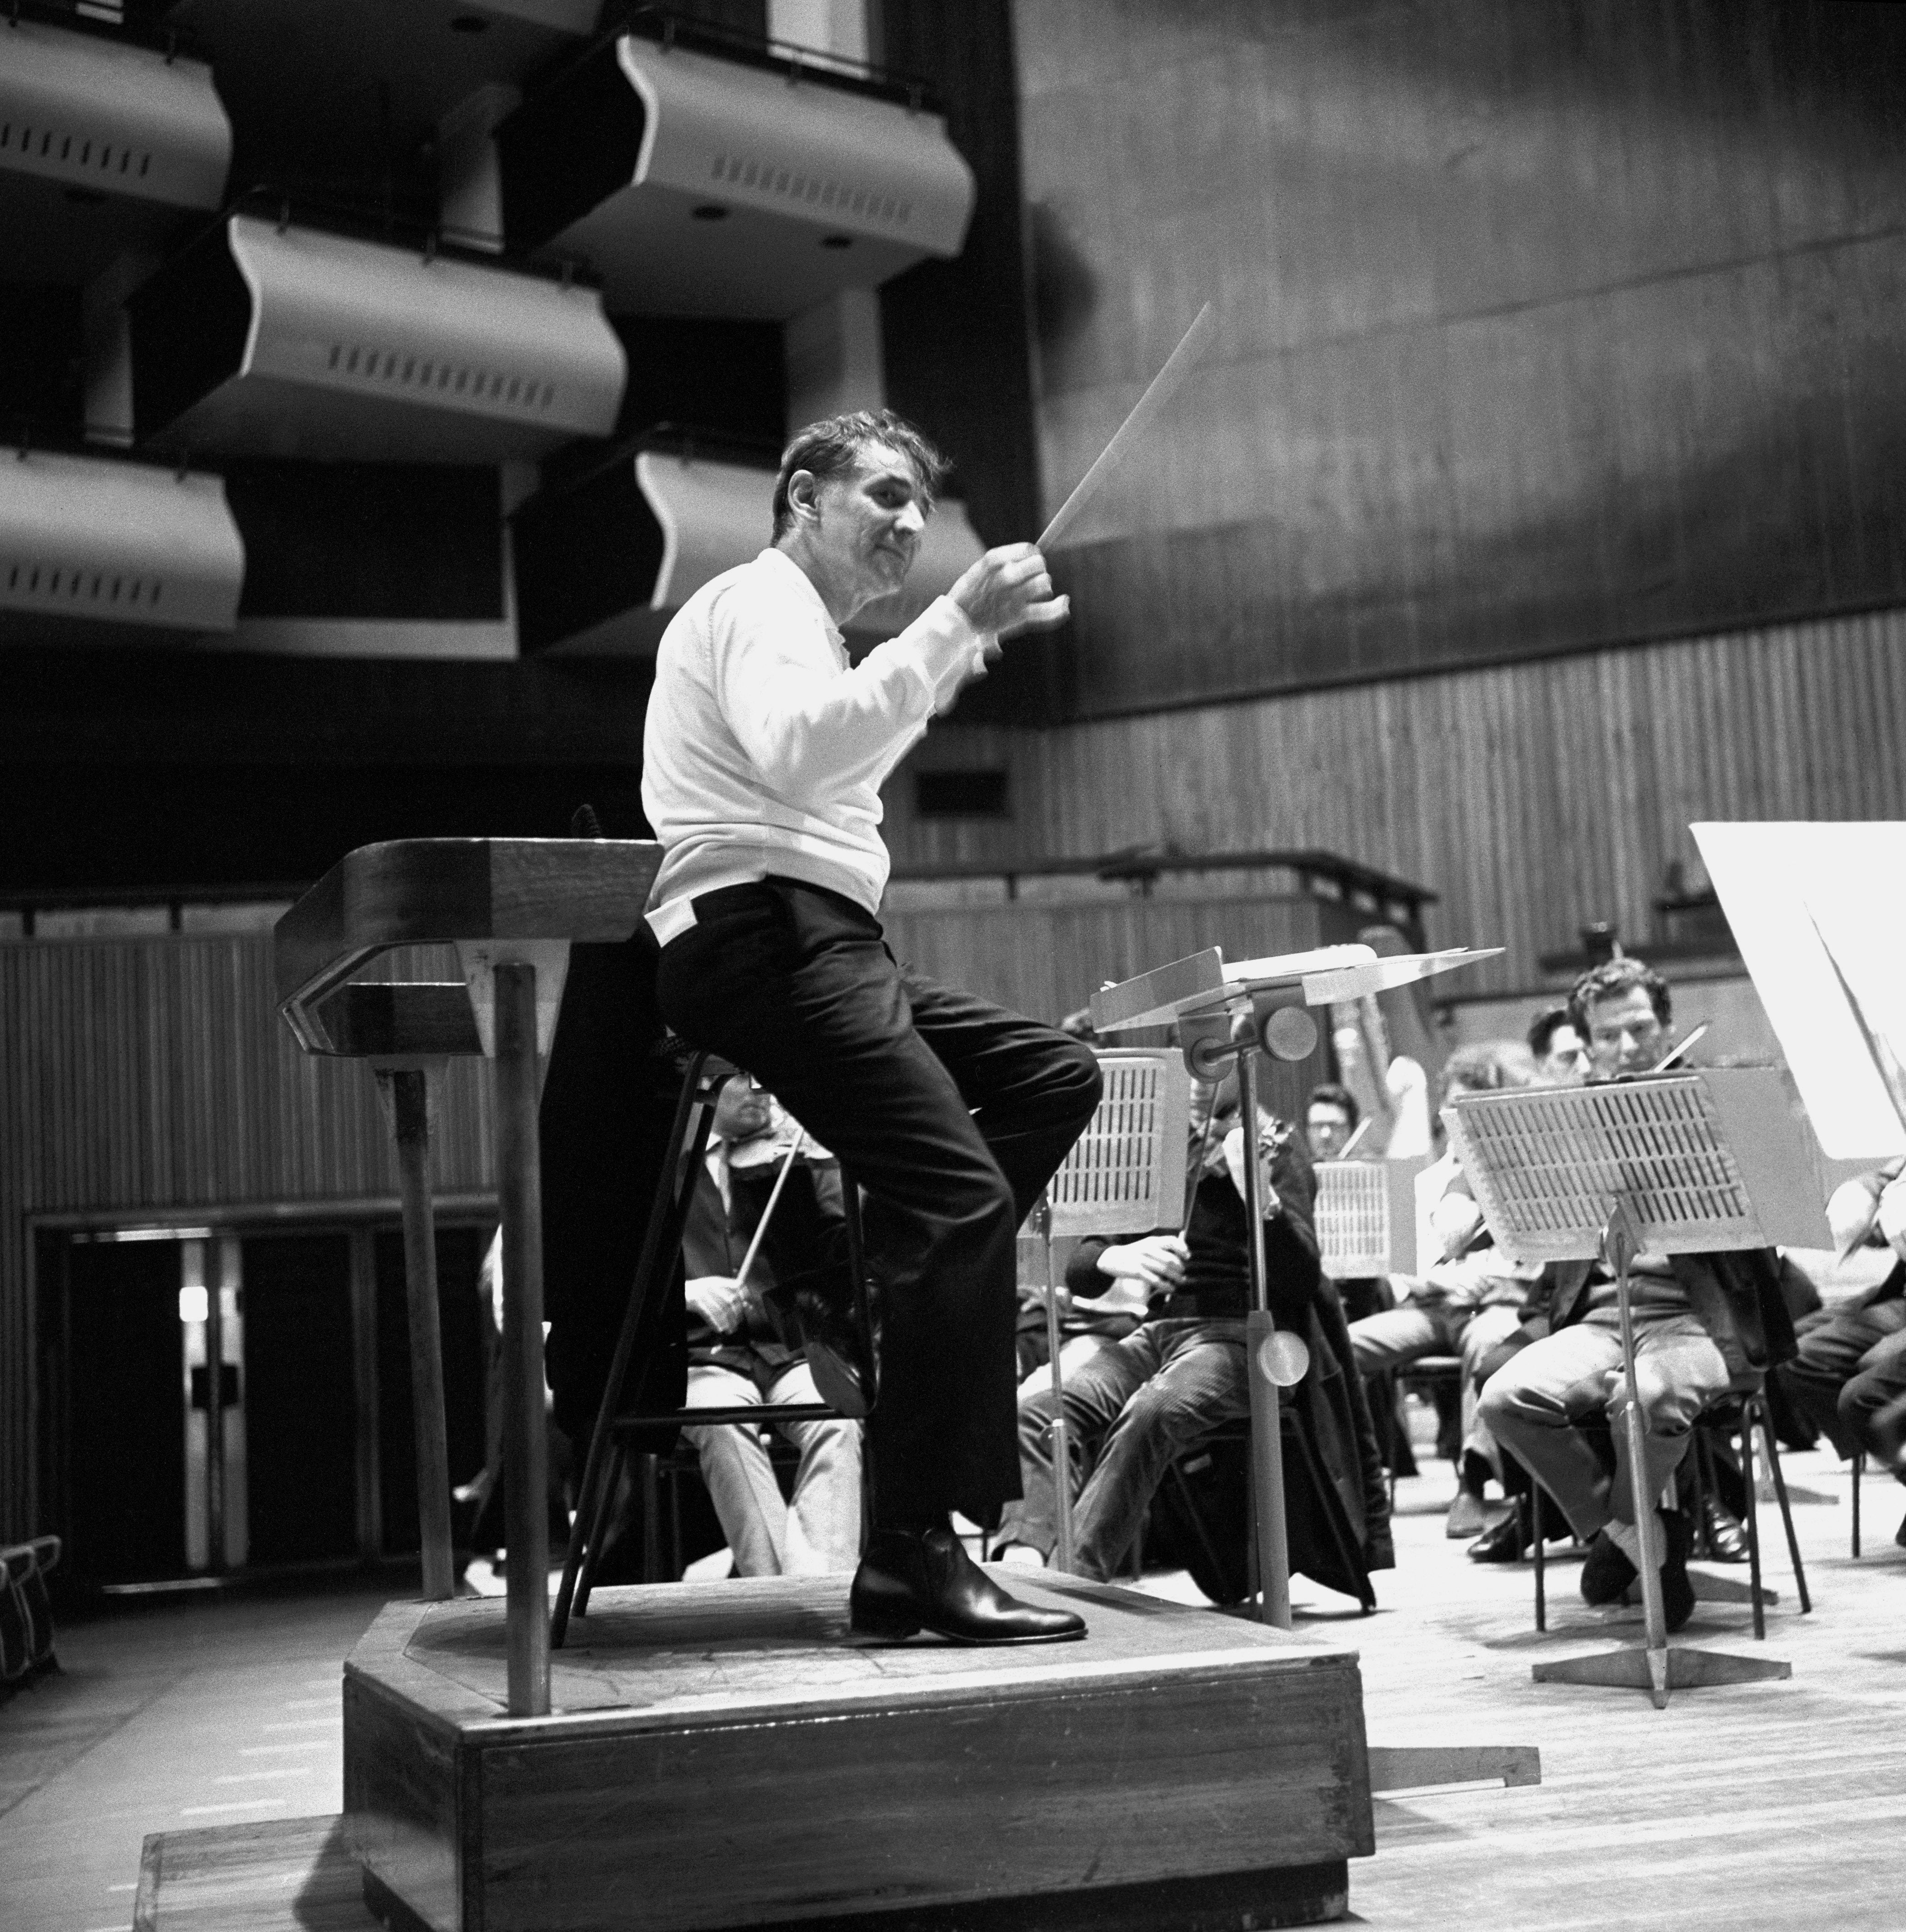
(1125, 1175)
(1367, 1216)
(1227, 1015)
(1672, 1164)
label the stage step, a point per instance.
(726, 1754)
(283, 1875)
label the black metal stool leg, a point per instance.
(609, 1487)
(1858, 1469)
(661, 1240)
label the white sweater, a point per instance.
(764, 751)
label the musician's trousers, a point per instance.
(949, 1112)
(1534, 1401)
(818, 1530)
(1131, 1412)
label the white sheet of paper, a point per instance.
(1813, 906)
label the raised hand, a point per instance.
(1008, 590)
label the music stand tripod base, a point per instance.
(1676, 1667)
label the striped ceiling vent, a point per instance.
(696, 184)
(113, 543)
(103, 117)
(267, 338)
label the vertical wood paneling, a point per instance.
(1532, 797)
(156, 1074)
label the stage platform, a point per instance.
(726, 1754)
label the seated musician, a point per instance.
(1136, 1407)
(737, 1355)
(1330, 1118)
(1466, 1299)
(1850, 1366)
(1703, 1324)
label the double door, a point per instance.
(217, 1401)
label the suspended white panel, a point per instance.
(329, 347)
(695, 185)
(96, 114)
(101, 145)
(104, 543)
(713, 516)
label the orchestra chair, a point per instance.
(1743, 1411)
(1125, 1175)
(618, 1435)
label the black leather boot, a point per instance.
(912, 1580)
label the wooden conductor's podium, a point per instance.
(722, 1755)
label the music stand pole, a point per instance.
(1061, 1444)
(1620, 1243)
(1270, 1535)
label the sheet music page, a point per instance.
(1814, 910)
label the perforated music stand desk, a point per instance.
(1681, 1163)
(1125, 1175)
(1229, 1014)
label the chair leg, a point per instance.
(651, 1517)
(1753, 1518)
(1859, 1469)
(1701, 1539)
(1786, 1508)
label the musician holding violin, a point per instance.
(763, 753)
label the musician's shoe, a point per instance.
(1467, 1516)
(1725, 1535)
(1677, 1592)
(923, 1580)
(1506, 1541)
(1606, 1572)
(1899, 1535)
(840, 1355)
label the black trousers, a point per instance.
(951, 1113)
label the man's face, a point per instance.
(1328, 1126)
(1566, 1062)
(741, 1111)
(869, 524)
(1624, 1035)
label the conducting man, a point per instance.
(762, 758)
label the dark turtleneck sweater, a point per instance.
(1217, 1277)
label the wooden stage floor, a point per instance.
(1777, 1804)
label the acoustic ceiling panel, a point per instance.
(101, 145)
(99, 543)
(266, 339)
(695, 185)
(602, 568)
